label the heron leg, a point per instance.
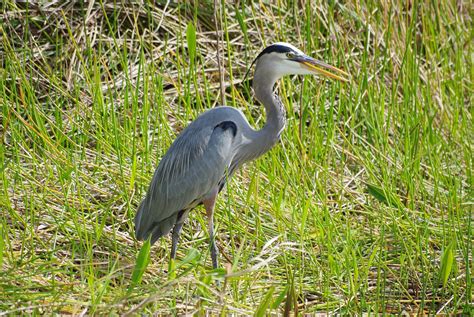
(209, 204)
(174, 238)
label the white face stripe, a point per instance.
(274, 62)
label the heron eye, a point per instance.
(290, 55)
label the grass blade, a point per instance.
(379, 194)
(2, 244)
(191, 39)
(142, 261)
(262, 308)
(447, 260)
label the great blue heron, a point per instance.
(206, 153)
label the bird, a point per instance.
(204, 156)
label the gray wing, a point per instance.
(190, 170)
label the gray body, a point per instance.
(198, 162)
(213, 147)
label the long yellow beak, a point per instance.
(322, 68)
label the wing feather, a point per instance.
(190, 170)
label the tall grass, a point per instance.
(365, 206)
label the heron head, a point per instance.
(280, 59)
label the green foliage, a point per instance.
(366, 203)
(381, 196)
(191, 39)
(266, 301)
(447, 260)
(2, 244)
(141, 263)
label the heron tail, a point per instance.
(145, 228)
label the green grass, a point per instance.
(365, 206)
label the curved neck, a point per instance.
(263, 140)
(274, 109)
